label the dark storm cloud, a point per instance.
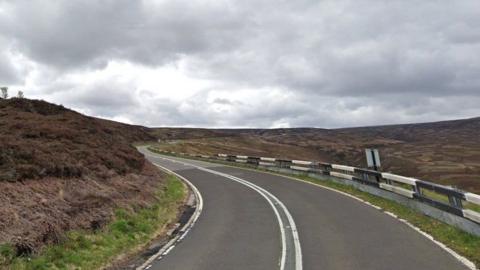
(72, 34)
(357, 49)
(269, 63)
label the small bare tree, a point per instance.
(20, 94)
(4, 92)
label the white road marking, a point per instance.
(272, 200)
(171, 244)
(168, 250)
(469, 264)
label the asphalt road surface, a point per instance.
(240, 228)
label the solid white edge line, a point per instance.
(457, 256)
(261, 191)
(469, 264)
(171, 244)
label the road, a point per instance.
(240, 229)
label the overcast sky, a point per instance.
(247, 63)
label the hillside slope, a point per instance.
(445, 152)
(60, 170)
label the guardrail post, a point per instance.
(365, 176)
(455, 201)
(417, 190)
(388, 181)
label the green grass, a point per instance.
(443, 198)
(465, 244)
(435, 196)
(87, 250)
(471, 206)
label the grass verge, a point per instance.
(463, 243)
(125, 234)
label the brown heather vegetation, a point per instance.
(60, 170)
(443, 152)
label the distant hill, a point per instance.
(459, 130)
(186, 133)
(446, 152)
(60, 170)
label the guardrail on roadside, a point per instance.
(447, 199)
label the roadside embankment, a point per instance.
(65, 176)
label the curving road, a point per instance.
(242, 227)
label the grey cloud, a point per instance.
(223, 101)
(370, 49)
(8, 74)
(72, 34)
(334, 63)
(318, 111)
(104, 99)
